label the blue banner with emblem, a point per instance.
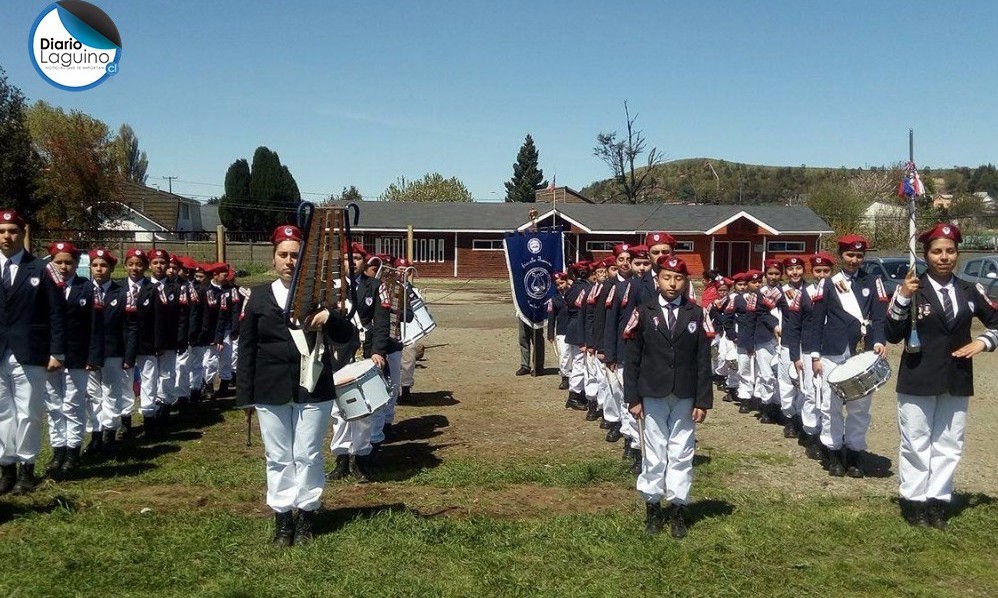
(532, 257)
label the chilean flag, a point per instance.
(911, 185)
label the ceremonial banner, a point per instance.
(532, 258)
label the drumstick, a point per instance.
(641, 438)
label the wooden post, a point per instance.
(220, 243)
(409, 245)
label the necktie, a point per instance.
(670, 318)
(8, 281)
(947, 305)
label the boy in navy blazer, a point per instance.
(667, 386)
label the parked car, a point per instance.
(891, 270)
(983, 270)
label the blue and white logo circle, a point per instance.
(534, 245)
(74, 45)
(536, 282)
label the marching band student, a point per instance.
(771, 306)
(213, 330)
(659, 244)
(387, 355)
(178, 272)
(791, 394)
(108, 385)
(810, 412)
(632, 292)
(575, 298)
(230, 307)
(293, 419)
(32, 343)
(741, 328)
(367, 287)
(163, 318)
(667, 385)
(714, 304)
(934, 386)
(604, 334)
(850, 308)
(67, 388)
(607, 418)
(593, 369)
(557, 325)
(139, 354)
(729, 323)
(408, 369)
(197, 342)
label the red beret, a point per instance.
(402, 263)
(196, 266)
(942, 230)
(853, 243)
(559, 276)
(773, 263)
(821, 259)
(673, 263)
(621, 248)
(580, 266)
(286, 232)
(639, 251)
(103, 254)
(658, 238)
(793, 261)
(135, 252)
(158, 253)
(753, 276)
(738, 277)
(64, 247)
(176, 258)
(11, 217)
(356, 247)
(602, 264)
(726, 281)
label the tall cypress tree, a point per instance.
(527, 176)
(233, 206)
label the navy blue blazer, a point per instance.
(557, 316)
(119, 330)
(33, 315)
(627, 296)
(84, 327)
(834, 330)
(575, 333)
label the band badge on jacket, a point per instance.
(924, 310)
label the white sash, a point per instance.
(310, 367)
(848, 300)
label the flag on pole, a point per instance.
(911, 185)
(551, 184)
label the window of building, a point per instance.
(601, 245)
(486, 244)
(428, 250)
(185, 212)
(785, 246)
(683, 247)
(393, 246)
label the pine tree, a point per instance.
(235, 204)
(527, 176)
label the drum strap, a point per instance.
(848, 300)
(310, 367)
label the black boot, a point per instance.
(358, 468)
(745, 406)
(653, 519)
(835, 466)
(636, 466)
(591, 411)
(613, 434)
(937, 513)
(95, 444)
(812, 446)
(150, 428)
(766, 414)
(126, 427)
(284, 529)
(790, 429)
(405, 396)
(564, 383)
(627, 449)
(729, 396)
(195, 396)
(54, 465)
(110, 444)
(208, 391)
(677, 521)
(25, 479)
(854, 463)
(72, 462)
(576, 401)
(603, 424)
(8, 477)
(914, 512)
(342, 468)
(303, 527)
(223, 388)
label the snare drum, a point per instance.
(859, 375)
(422, 322)
(360, 389)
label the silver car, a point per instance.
(982, 269)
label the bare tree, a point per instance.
(621, 154)
(877, 183)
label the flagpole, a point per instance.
(914, 344)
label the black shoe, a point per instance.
(854, 463)
(303, 527)
(358, 468)
(208, 391)
(677, 521)
(109, 446)
(636, 465)
(223, 388)
(405, 396)
(150, 427)
(766, 414)
(613, 434)
(653, 519)
(72, 462)
(914, 512)
(937, 513)
(603, 424)
(835, 467)
(54, 466)
(284, 529)
(789, 429)
(126, 427)
(8, 477)
(523, 371)
(25, 479)
(564, 383)
(627, 449)
(195, 396)
(576, 401)
(591, 412)
(745, 406)
(95, 445)
(813, 447)
(342, 468)
(729, 396)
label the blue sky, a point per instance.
(360, 93)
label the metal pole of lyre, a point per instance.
(537, 342)
(914, 343)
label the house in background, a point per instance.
(155, 215)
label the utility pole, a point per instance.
(170, 180)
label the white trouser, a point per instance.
(195, 366)
(218, 362)
(351, 437)
(577, 379)
(22, 400)
(591, 385)
(148, 369)
(612, 399)
(292, 440)
(628, 425)
(408, 365)
(667, 464)
(386, 413)
(837, 430)
(718, 365)
(106, 389)
(166, 366)
(599, 373)
(564, 356)
(810, 415)
(931, 444)
(234, 362)
(765, 380)
(746, 374)
(66, 405)
(790, 393)
(182, 375)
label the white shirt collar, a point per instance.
(15, 260)
(937, 286)
(675, 302)
(280, 293)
